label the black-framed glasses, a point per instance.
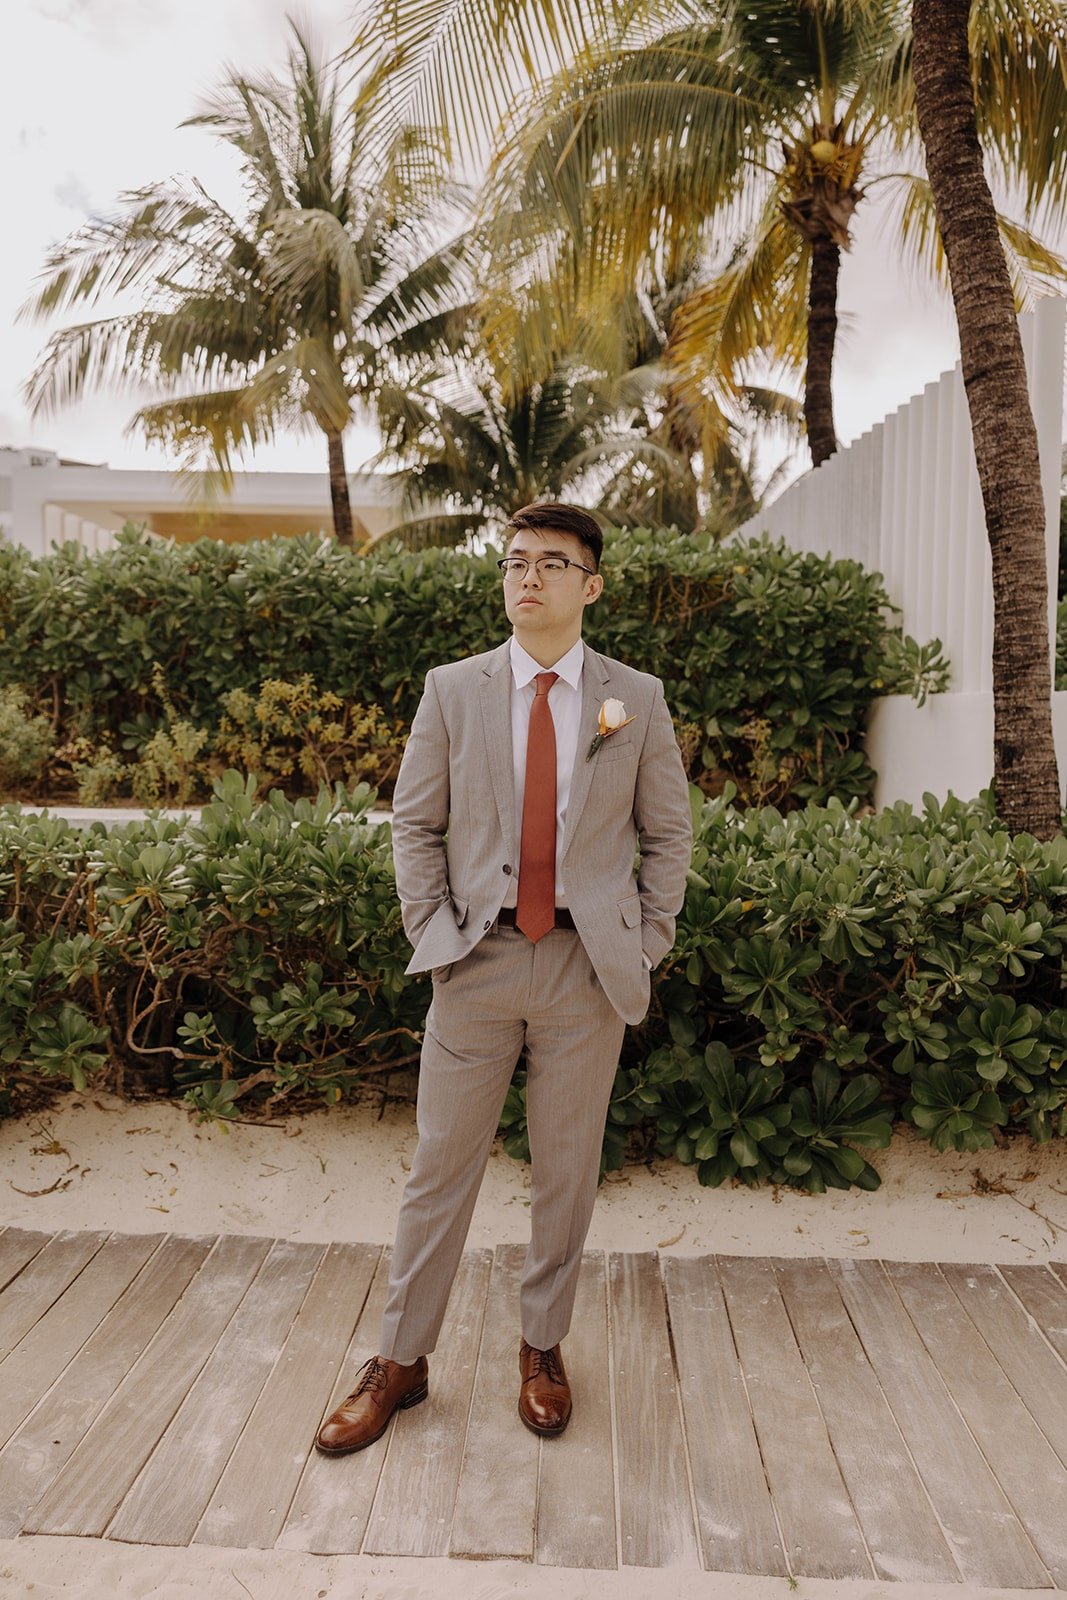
(550, 569)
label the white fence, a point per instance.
(904, 500)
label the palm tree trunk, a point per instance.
(1002, 424)
(822, 335)
(342, 506)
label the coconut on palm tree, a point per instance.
(282, 317)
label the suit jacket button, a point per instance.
(507, 869)
(486, 926)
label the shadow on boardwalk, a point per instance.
(831, 1419)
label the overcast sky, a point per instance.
(92, 99)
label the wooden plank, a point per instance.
(1044, 1294)
(168, 1499)
(38, 1450)
(656, 1522)
(17, 1246)
(983, 1533)
(1035, 1371)
(735, 1515)
(249, 1504)
(85, 1494)
(901, 1529)
(35, 1363)
(42, 1281)
(822, 1536)
(576, 1496)
(412, 1512)
(498, 1448)
(331, 1507)
(1016, 1449)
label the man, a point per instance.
(532, 775)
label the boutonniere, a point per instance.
(612, 717)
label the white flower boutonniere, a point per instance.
(612, 717)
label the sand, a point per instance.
(97, 1161)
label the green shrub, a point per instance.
(260, 947)
(27, 741)
(832, 973)
(770, 658)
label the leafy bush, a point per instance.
(773, 656)
(26, 739)
(290, 736)
(832, 973)
(260, 947)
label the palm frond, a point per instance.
(1019, 61)
(164, 232)
(209, 428)
(454, 63)
(755, 305)
(305, 376)
(85, 356)
(1033, 266)
(313, 266)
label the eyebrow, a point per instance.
(521, 550)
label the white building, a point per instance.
(46, 500)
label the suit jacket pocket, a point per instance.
(630, 907)
(610, 751)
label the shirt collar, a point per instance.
(525, 669)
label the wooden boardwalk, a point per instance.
(832, 1419)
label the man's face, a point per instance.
(536, 606)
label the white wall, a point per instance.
(904, 500)
(946, 744)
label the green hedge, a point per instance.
(832, 973)
(770, 658)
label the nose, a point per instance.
(531, 578)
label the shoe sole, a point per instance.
(546, 1433)
(415, 1398)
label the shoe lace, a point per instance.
(374, 1375)
(547, 1361)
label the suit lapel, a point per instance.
(496, 723)
(595, 676)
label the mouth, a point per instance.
(529, 602)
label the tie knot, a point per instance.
(545, 680)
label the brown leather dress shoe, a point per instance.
(545, 1394)
(384, 1387)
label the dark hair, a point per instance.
(546, 514)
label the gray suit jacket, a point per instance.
(456, 837)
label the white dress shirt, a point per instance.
(565, 704)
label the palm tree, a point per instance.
(755, 119)
(467, 452)
(282, 317)
(605, 426)
(1005, 438)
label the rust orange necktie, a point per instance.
(535, 911)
